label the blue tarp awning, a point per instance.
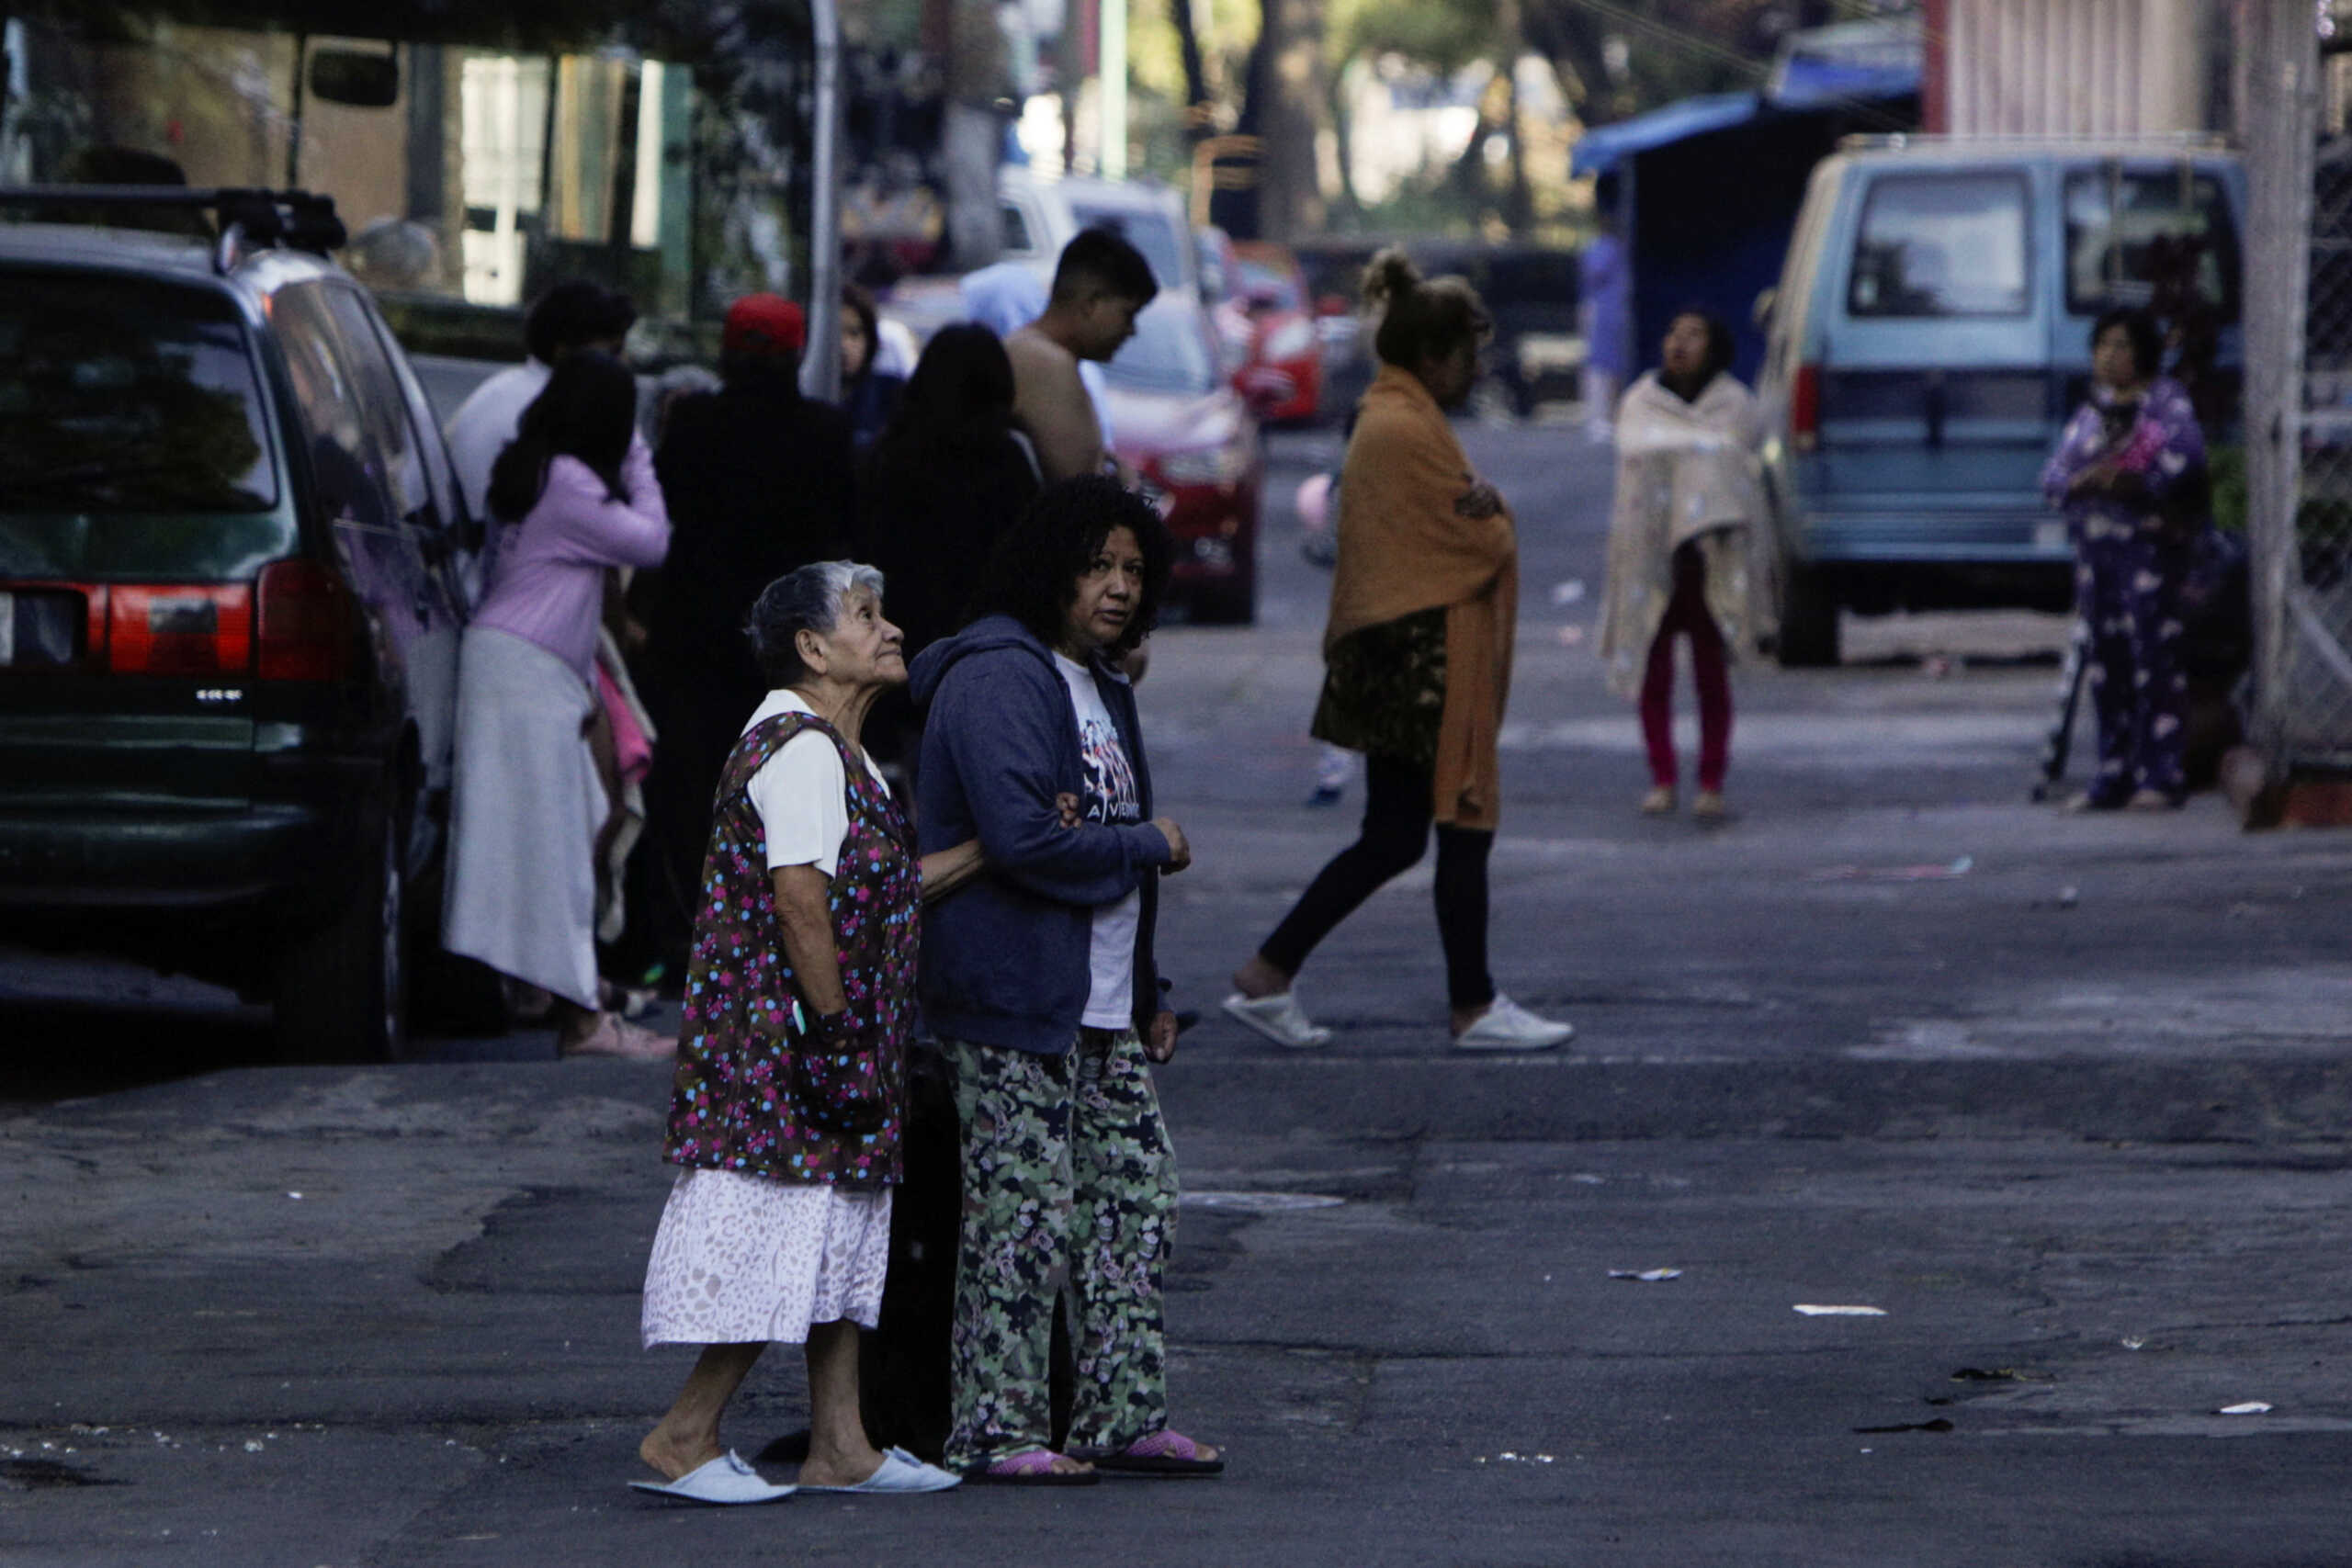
(1820, 68)
(1602, 147)
(1803, 84)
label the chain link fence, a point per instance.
(2298, 395)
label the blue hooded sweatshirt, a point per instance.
(1005, 961)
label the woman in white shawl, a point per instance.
(1688, 550)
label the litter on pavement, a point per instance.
(2251, 1407)
(1646, 1276)
(1568, 593)
(1812, 1309)
(1936, 873)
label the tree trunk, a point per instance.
(1198, 106)
(972, 132)
(1290, 75)
(1518, 208)
(1350, 204)
(1572, 40)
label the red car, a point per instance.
(1191, 438)
(1284, 379)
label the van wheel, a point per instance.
(342, 993)
(1808, 620)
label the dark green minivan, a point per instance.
(232, 568)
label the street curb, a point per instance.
(1563, 1099)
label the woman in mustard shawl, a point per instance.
(1424, 600)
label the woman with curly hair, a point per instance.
(1040, 982)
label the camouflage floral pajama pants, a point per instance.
(1068, 1182)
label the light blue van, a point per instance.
(1929, 337)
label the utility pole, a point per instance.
(1113, 155)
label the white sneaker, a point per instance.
(1279, 1018)
(1507, 1026)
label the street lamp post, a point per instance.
(1113, 155)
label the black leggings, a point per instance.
(1397, 815)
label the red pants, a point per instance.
(1686, 613)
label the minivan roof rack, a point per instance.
(2152, 141)
(246, 217)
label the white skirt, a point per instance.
(743, 1259)
(523, 818)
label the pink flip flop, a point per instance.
(1030, 1467)
(1163, 1453)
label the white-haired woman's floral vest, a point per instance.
(757, 1090)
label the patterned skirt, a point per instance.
(1383, 689)
(741, 1259)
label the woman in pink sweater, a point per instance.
(577, 487)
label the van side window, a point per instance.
(2149, 238)
(350, 470)
(1941, 245)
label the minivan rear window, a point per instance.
(1941, 245)
(2133, 235)
(121, 395)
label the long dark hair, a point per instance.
(960, 394)
(859, 302)
(1033, 575)
(587, 411)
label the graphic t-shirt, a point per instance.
(1111, 795)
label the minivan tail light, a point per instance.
(304, 630)
(176, 630)
(1805, 407)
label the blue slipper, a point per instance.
(725, 1479)
(900, 1472)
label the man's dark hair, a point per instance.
(2147, 337)
(1032, 576)
(587, 411)
(1099, 260)
(573, 313)
(1722, 347)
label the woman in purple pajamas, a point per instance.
(2130, 473)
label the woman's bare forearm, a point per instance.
(803, 911)
(944, 870)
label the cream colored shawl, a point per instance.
(1685, 471)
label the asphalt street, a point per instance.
(2055, 1109)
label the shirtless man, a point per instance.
(1100, 286)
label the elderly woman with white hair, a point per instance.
(787, 1108)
